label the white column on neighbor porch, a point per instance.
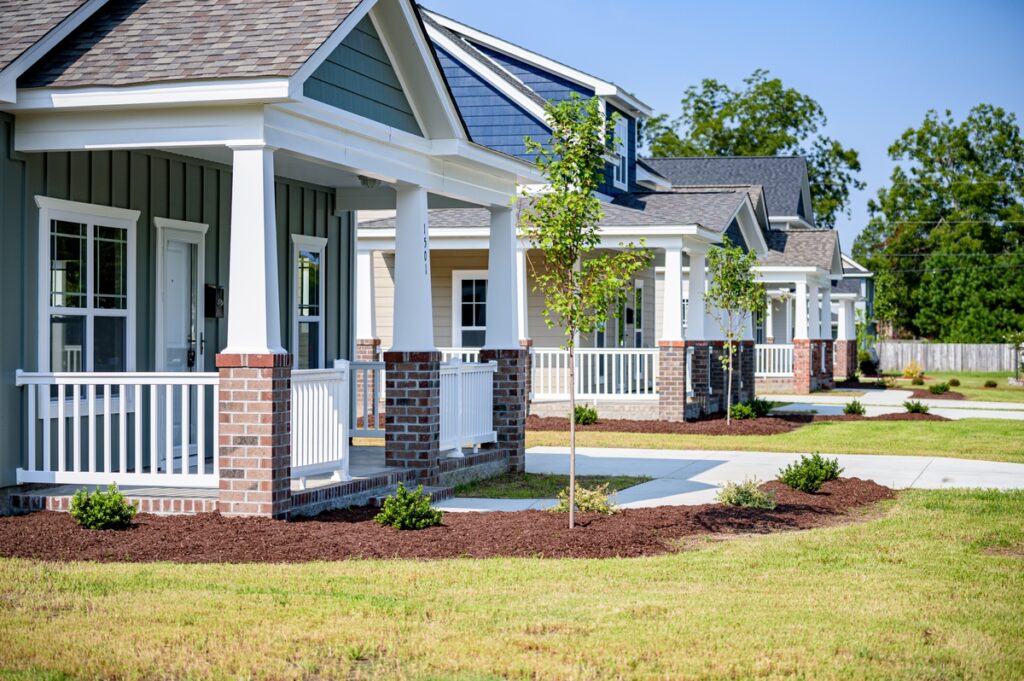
(813, 312)
(672, 310)
(787, 316)
(769, 321)
(847, 330)
(800, 311)
(502, 285)
(826, 311)
(523, 289)
(254, 311)
(414, 310)
(366, 321)
(697, 285)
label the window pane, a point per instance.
(111, 339)
(67, 264)
(309, 284)
(480, 289)
(467, 290)
(110, 279)
(309, 345)
(473, 339)
(481, 314)
(467, 315)
(67, 343)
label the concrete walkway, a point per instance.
(693, 477)
(878, 402)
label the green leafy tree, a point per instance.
(764, 118)
(579, 284)
(733, 297)
(946, 236)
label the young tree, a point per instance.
(733, 297)
(765, 118)
(579, 285)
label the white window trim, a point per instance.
(89, 214)
(302, 242)
(458, 276)
(620, 169)
(638, 323)
(189, 232)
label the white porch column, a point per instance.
(813, 312)
(826, 312)
(787, 315)
(697, 284)
(672, 309)
(523, 288)
(800, 312)
(847, 329)
(414, 310)
(502, 283)
(366, 315)
(254, 310)
(769, 321)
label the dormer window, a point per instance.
(620, 176)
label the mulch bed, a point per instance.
(768, 425)
(926, 394)
(337, 535)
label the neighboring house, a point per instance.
(178, 184)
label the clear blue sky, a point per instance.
(875, 67)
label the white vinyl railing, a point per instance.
(126, 428)
(773, 360)
(467, 405)
(616, 373)
(367, 391)
(320, 414)
(467, 355)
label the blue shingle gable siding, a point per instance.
(492, 119)
(359, 77)
(544, 83)
(735, 235)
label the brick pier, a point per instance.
(510, 402)
(412, 412)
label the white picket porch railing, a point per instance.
(367, 397)
(610, 373)
(320, 422)
(773, 360)
(467, 405)
(157, 429)
(468, 355)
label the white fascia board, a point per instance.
(219, 92)
(844, 296)
(750, 226)
(139, 129)
(799, 221)
(782, 275)
(9, 76)
(525, 172)
(647, 178)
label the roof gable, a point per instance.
(804, 248)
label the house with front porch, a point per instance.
(178, 186)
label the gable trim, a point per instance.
(328, 47)
(398, 74)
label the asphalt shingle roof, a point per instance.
(146, 41)
(781, 176)
(801, 248)
(23, 23)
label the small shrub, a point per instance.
(745, 494)
(991, 384)
(881, 383)
(585, 415)
(854, 408)
(761, 407)
(955, 382)
(912, 370)
(742, 411)
(810, 473)
(891, 382)
(915, 407)
(102, 510)
(407, 510)
(587, 501)
(938, 388)
(917, 380)
(865, 364)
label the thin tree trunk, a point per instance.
(572, 435)
(728, 390)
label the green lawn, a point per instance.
(540, 486)
(972, 385)
(990, 439)
(931, 590)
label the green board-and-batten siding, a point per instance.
(359, 77)
(158, 185)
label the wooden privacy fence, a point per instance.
(894, 355)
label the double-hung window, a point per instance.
(638, 313)
(621, 171)
(308, 301)
(86, 287)
(469, 308)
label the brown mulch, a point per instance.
(352, 533)
(768, 425)
(926, 394)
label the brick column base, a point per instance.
(671, 380)
(745, 368)
(412, 411)
(527, 345)
(803, 379)
(826, 380)
(510, 402)
(255, 435)
(368, 350)
(846, 358)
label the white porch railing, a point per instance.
(320, 414)
(773, 360)
(367, 391)
(467, 405)
(126, 428)
(615, 373)
(468, 355)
